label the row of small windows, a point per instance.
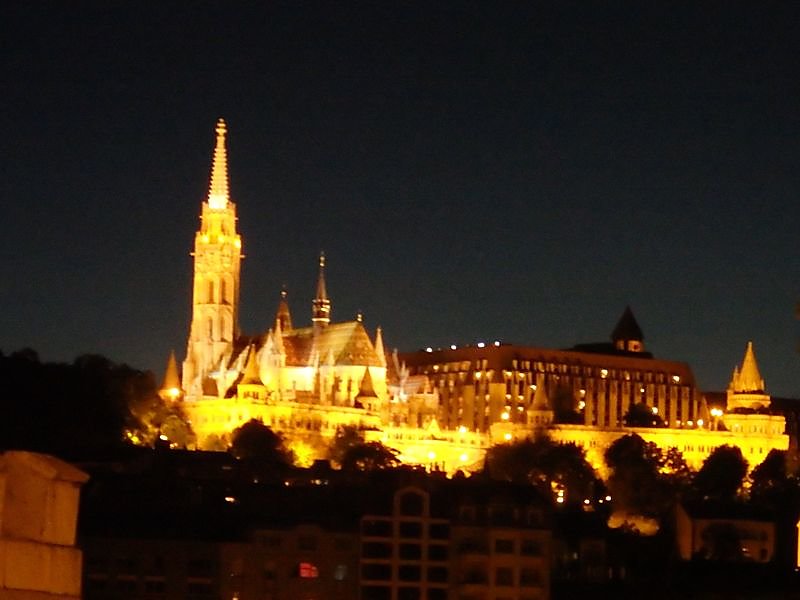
(385, 572)
(525, 371)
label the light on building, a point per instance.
(581, 405)
(507, 437)
(586, 501)
(603, 373)
(453, 346)
(431, 455)
(428, 349)
(504, 416)
(582, 393)
(676, 379)
(608, 498)
(716, 412)
(478, 374)
(163, 438)
(497, 342)
(560, 500)
(462, 429)
(481, 344)
(654, 410)
(700, 422)
(463, 457)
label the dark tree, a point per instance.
(545, 464)
(635, 482)
(641, 415)
(256, 443)
(369, 456)
(346, 438)
(721, 475)
(77, 408)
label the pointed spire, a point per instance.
(284, 316)
(627, 334)
(277, 338)
(366, 389)
(171, 386)
(748, 379)
(321, 306)
(218, 195)
(379, 349)
(251, 375)
(540, 399)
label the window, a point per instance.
(437, 552)
(374, 592)
(412, 529)
(307, 570)
(503, 546)
(437, 574)
(409, 593)
(410, 551)
(376, 550)
(376, 572)
(504, 576)
(340, 572)
(531, 547)
(409, 573)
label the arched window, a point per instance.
(210, 298)
(210, 328)
(223, 291)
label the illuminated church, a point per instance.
(439, 408)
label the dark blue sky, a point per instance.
(473, 171)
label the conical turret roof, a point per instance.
(627, 328)
(251, 375)
(366, 389)
(171, 379)
(748, 378)
(283, 315)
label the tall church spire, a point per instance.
(218, 195)
(217, 258)
(321, 306)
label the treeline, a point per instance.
(89, 405)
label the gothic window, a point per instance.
(210, 298)
(210, 327)
(223, 291)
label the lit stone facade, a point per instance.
(304, 382)
(438, 408)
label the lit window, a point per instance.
(307, 571)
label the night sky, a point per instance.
(473, 171)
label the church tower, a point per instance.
(217, 258)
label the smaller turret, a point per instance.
(171, 386)
(540, 414)
(321, 305)
(627, 335)
(284, 316)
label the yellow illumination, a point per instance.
(463, 457)
(507, 436)
(700, 422)
(504, 416)
(462, 429)
(431, 455)
(654, 410)
(676, 379)
(581, 405)
(204, 237)
(237, 243)
(603, 373)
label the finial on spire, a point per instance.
(218, 194)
